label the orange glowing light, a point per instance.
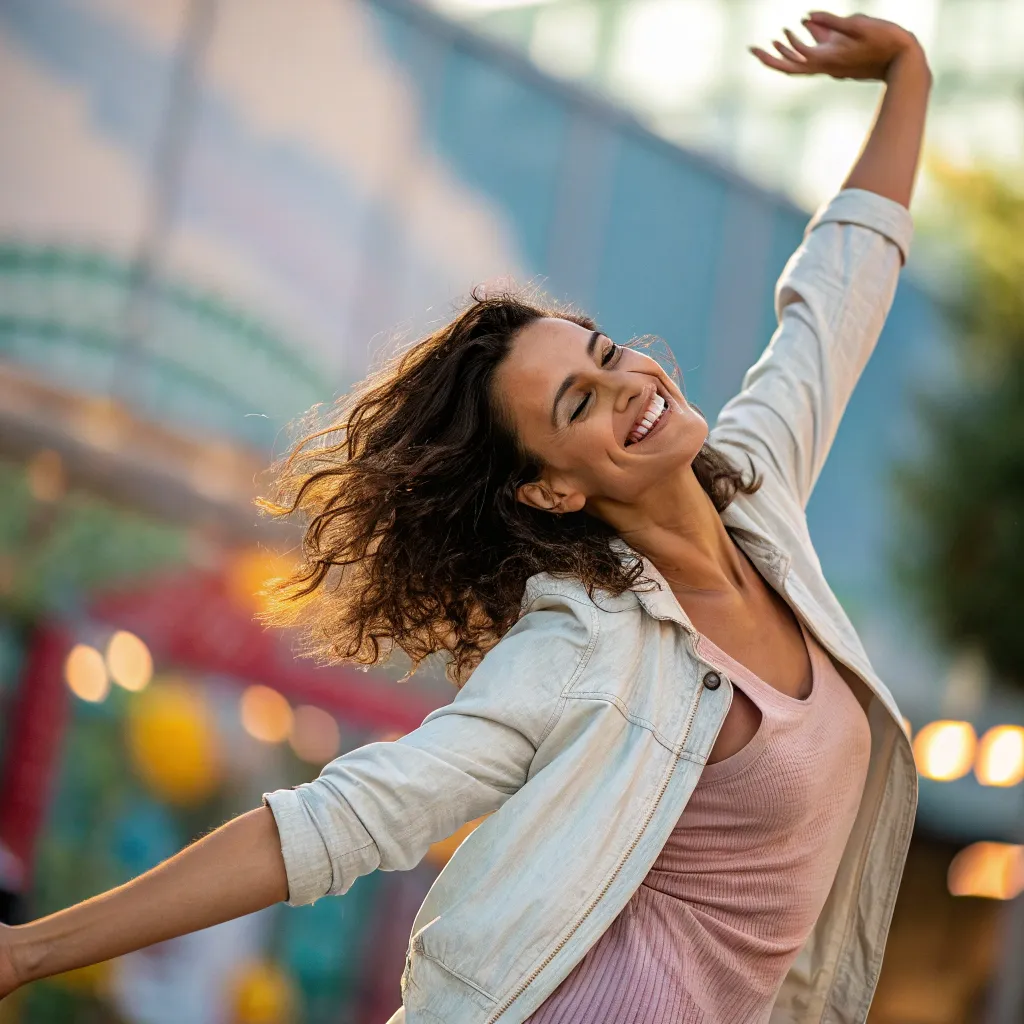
(129, 662)
(990, 870)
(266, 715)
(945, 750)
(1000, 760)
(315, 736)
(86, 673)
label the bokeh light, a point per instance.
(101, 423)
(173, 742)
(945, 750)
(315, 736)
(261, 993)
(45, 475)
(440, 853)
(247, 572)
(991, 870)
(86, 673)
(93, 979)
(1000, 760)
(128, 661)
(266, 715)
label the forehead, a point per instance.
(546, 350)
(541, 356)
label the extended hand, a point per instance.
(854, 47)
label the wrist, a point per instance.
(909, 61)
(27, 954)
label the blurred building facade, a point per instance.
(215, 213)
(682, 66)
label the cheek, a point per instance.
(692, 433)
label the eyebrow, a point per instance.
(571, 379)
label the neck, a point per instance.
(677, 527)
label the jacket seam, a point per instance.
(421, 1012)
(358, 849)
(556, 711)
(635, 719)
(455, 974)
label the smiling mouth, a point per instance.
(653, 414)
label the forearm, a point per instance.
(888, 162)
(233, 871)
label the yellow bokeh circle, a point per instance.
(261, 993)
(173, 743)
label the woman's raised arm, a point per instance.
(875, 50)
(235, 870)
(835, 292)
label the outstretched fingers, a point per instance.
(787, 67)
(788, 62)
(805, 52)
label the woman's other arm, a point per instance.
(235, 870)
(379, 806)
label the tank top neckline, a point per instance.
(738, 669)
(764, 695)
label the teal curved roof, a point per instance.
(197, 363)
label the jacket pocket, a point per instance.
(432, 991)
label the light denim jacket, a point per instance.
(586, 728)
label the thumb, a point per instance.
(833, 21)
(819, 33)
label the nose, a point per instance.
(631, 386)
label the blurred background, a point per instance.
(216, 213)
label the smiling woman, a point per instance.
(698, 795)
(428, 493)
(595, 447)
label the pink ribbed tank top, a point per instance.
(712, 930)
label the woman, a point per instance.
(703, 794)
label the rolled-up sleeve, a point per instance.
(831, 302)
(383, 804)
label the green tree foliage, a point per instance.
(964, 555)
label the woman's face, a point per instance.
(606, 422)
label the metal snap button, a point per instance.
(712, 680)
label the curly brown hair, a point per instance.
(414, 537)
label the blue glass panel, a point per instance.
(851, 510)
(660, 254)
(504, 136)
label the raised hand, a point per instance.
(855, 47)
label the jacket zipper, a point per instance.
(615, 873)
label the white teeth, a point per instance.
(655, 408)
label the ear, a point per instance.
(539, 494)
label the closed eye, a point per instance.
(607, 356)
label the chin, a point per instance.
(692, 439)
